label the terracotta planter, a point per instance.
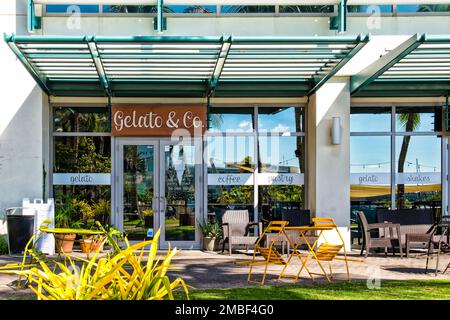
(64, 242)
(209, 244)
(86, 245)
(92, 244)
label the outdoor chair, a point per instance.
(236, 228)
(386, 237)
(267, 249)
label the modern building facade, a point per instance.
(172, 112)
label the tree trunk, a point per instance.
(402, 159)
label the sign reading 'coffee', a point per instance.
(158, 120)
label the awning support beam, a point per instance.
(220, 62)
(98, 65)
(160, 22)
(372, 72)
(33, 22)
(339, 22)
(362, 41)
(40, 80)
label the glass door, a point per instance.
(138, 192)
(180, 194)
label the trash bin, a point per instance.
(20, 229)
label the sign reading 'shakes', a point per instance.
(157, 120)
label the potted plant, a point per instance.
(211, 231)
(67, 216)
(148, 218)
(98, 213)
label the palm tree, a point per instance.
(434, 8)
(410, 121)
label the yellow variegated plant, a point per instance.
(123, 276)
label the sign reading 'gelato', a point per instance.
(158, 120)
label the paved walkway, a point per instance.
(215, 270)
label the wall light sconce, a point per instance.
(336, 131)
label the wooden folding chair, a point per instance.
(268, 250)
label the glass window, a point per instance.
(230, 119)
(281, 154)
(247, 9)
(415, 118)
(176, 9)
(423, 8)
(370, 175)
(231, 154)
(280, 119)
(82, 154)
(306, 9)
(274, 200)
(230, 197)
(91, 203)
(418, 165)
(370, 119)
(71, 9)
(129, 9)
(371, 9)
(81, 119)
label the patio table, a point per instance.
(324, 252)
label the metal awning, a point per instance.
(183, 66)
(418, 67)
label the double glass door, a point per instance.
(159, 184)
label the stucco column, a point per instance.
(328, 176)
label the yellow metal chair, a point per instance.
(268, 250)
(325, 251)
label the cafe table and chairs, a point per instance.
(318, 248)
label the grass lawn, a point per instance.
(390, 290)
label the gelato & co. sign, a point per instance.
(158, 120)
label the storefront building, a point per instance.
(168, 117)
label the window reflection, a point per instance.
(82, 154)
(418, 164)
(370, 175)
(370, 119)
(81, 119)
(230, 154)
(281, 154)
(306, 9)
(230, 119)
(415, 118)
(280, 119)
(247, 9)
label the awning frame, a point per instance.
(387, 76)
(316, 59)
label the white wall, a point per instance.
(245, 26)
(328, 176)
(20, 118)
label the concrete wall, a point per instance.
(21, 116)
(328, 175)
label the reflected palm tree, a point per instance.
(410, 121)
(434, 8)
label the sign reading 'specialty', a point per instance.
(158, 120)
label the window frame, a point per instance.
(393, 134)
(256, 134)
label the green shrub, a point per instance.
(3, 245)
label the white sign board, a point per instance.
(370, 178)
(81, 179)
(43, 211)
(230, 179)
(419, 178)
(280, 178)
